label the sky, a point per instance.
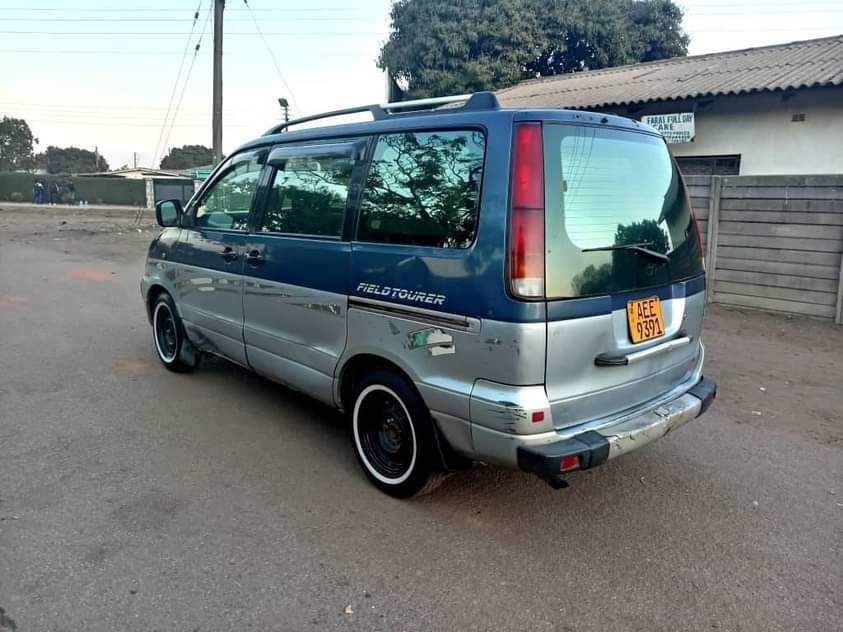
(96, 73)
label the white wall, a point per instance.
(759, 128)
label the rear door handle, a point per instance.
(680, 340)
(229, 254)
(254, 257)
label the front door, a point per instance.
(210, 257)
(296, 267)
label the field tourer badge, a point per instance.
(385, 291)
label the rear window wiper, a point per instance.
(642, 248)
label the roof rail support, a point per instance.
(483, 101)
(379, 111)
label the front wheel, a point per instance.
(394, 436)
(168, 334)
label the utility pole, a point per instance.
(216, 124)
(135, 159)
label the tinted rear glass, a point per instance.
(423, 189)
(608, 188)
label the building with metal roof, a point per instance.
(757, 111)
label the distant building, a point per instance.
(139, 173)
(758, 111)
(160, 184)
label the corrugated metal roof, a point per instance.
(803, 64)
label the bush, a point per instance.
(16, 196)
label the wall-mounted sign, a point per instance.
(676, 128)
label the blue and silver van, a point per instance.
(466, 282)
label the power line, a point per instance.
(133, 124)
(318, 8)
(135, 20)
(187, 78)
(347, 9)
(272, 55)
(86, 52)
(93, 108)
(769, 3)
(176, 82)
(810, 29)
(722, 10)
(310, 9)
(739, 11)
(67, 51)
(760, 5)
(119, 111)
(128, 118)
(181, 34)
(377, 34)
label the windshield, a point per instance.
(607, 188)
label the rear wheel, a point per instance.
(168, 334)
(394, 436)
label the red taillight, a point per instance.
(537, 416)
(528, 171)
(568, 463)
(527, 213)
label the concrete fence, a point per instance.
(773, 242)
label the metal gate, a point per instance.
(172, 189)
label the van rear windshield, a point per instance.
(606, 188)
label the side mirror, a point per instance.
(168, 212)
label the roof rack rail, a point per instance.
(379, 111)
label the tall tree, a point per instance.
(16, 144)
(71, 160)
(187, 157)
(658, 26)
(449, 46)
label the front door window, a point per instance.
(226, 204)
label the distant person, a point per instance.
(38, 192)
(55, 193)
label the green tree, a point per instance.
(187, 157)
(449, 46)
(658, 29)
(71, 160)
(16, 144)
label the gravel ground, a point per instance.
(135, 499)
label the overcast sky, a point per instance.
(99, 73)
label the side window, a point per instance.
(226, 204)
(308, 196)
(423, 189)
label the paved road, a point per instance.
(135, 499)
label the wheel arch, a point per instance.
(155, 290)
(359, 364)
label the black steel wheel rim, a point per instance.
(165, 333)
(385, 433)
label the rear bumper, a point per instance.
(595, 447)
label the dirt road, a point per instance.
(135, 499)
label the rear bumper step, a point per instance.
(551, 461)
